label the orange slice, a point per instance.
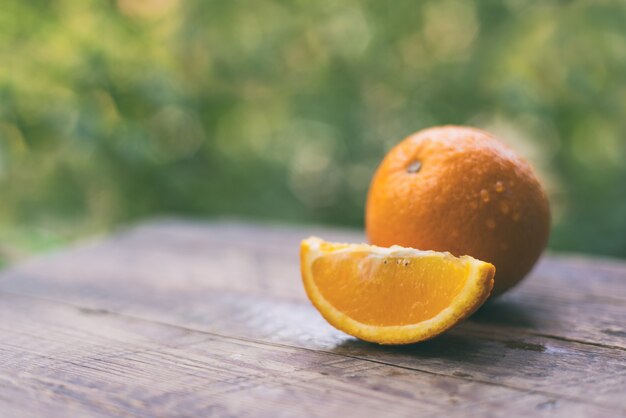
(392, 295)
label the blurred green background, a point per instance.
(112, 111)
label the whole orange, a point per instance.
(459, 189)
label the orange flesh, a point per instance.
(383, 290)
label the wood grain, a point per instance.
(177, 318)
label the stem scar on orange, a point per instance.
(459, 189)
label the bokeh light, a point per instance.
(111, 112)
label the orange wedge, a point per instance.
(392, 295)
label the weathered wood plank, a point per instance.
(484, 354)
(60, 360)
(558, 339)
(569, 298)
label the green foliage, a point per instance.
(113, 111)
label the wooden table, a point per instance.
(176, 318)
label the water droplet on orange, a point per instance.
(484, 194)
(499, 186)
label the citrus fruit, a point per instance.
(459, 189)
(392, 295)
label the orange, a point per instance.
(459, 189)
(392, 295)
